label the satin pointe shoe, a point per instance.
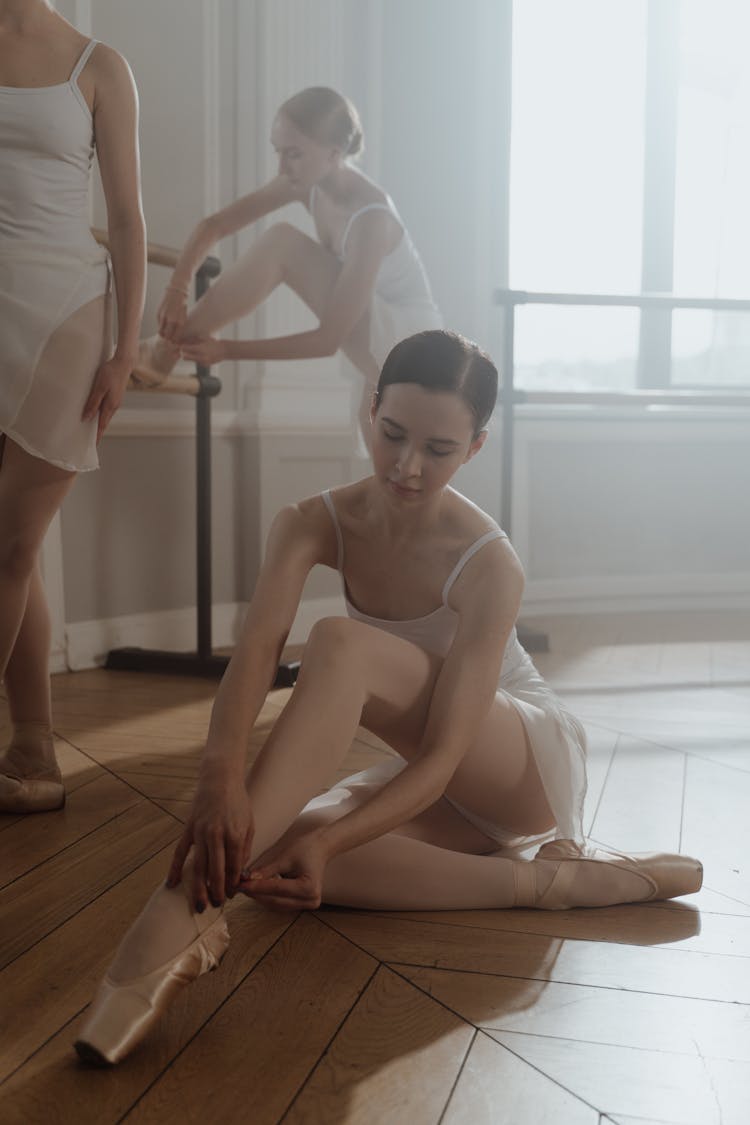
(39, 793)
(123, 1012)
(661, 875)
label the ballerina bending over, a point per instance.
(61, 96)
(487, 762)
(362, 278)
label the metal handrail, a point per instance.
(509, 396)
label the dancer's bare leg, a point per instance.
(282, 255)
(27, 673)
(438, 860)
(31, 491)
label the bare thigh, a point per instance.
(497, 779)
(31, 491)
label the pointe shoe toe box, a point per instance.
(669, 875)
(122, 1013)
(31, 794)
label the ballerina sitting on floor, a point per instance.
(489, 767)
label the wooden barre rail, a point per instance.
(159, 255)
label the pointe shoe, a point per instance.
(662, 876)
(41, 793)
(122, 1013)
(148, 373)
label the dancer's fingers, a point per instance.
(235, 856)
(216, 870)
(93, 402)
(200, 891)
(178, 859)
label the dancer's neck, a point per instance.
(23, 16)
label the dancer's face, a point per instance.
(301, 158)
(420, 438)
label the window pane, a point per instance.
(575, 349)
(577, 145)
(710, 349)
(712, 218)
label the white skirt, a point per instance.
(558, 743)
(54, 333)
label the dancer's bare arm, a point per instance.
(369, 242)
(115, 114)
(277, 193)
(487, 597)
(220, 824)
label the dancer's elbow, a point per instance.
(327, 343)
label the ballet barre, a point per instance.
(202, 386)
(510, 396)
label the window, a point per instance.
(630, 172)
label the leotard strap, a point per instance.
(339, 539)
(469, 553)
(363, 211)
(73, 80)
(83, 59)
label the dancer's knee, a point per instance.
(281, 238)
(18, 554)
(333, 641)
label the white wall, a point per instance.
(629, 512)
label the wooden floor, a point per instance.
(633, 1014)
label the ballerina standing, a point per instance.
(62, 96)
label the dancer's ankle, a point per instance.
(31, 751)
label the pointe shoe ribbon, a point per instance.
(122, 1013)
(663, 875)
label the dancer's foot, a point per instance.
(30, 778)
(563, 875)
(166, 949)
(157, 358)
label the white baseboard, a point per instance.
(88, 642)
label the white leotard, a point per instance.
(556, 738)
(402, 302)
(50, 264)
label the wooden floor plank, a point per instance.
(498, 1088)
(663, 924)
(395, 1059)
(608, 1016)
(52, 1085)
(716, 825)
(263, 1043)
(650, 1084)
(640, 809)
(39, 902)
(669, 972)
(32, 841)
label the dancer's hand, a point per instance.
(289, 876)
(205, 351)
(172, 314)
(106, 394)
(220, 830)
